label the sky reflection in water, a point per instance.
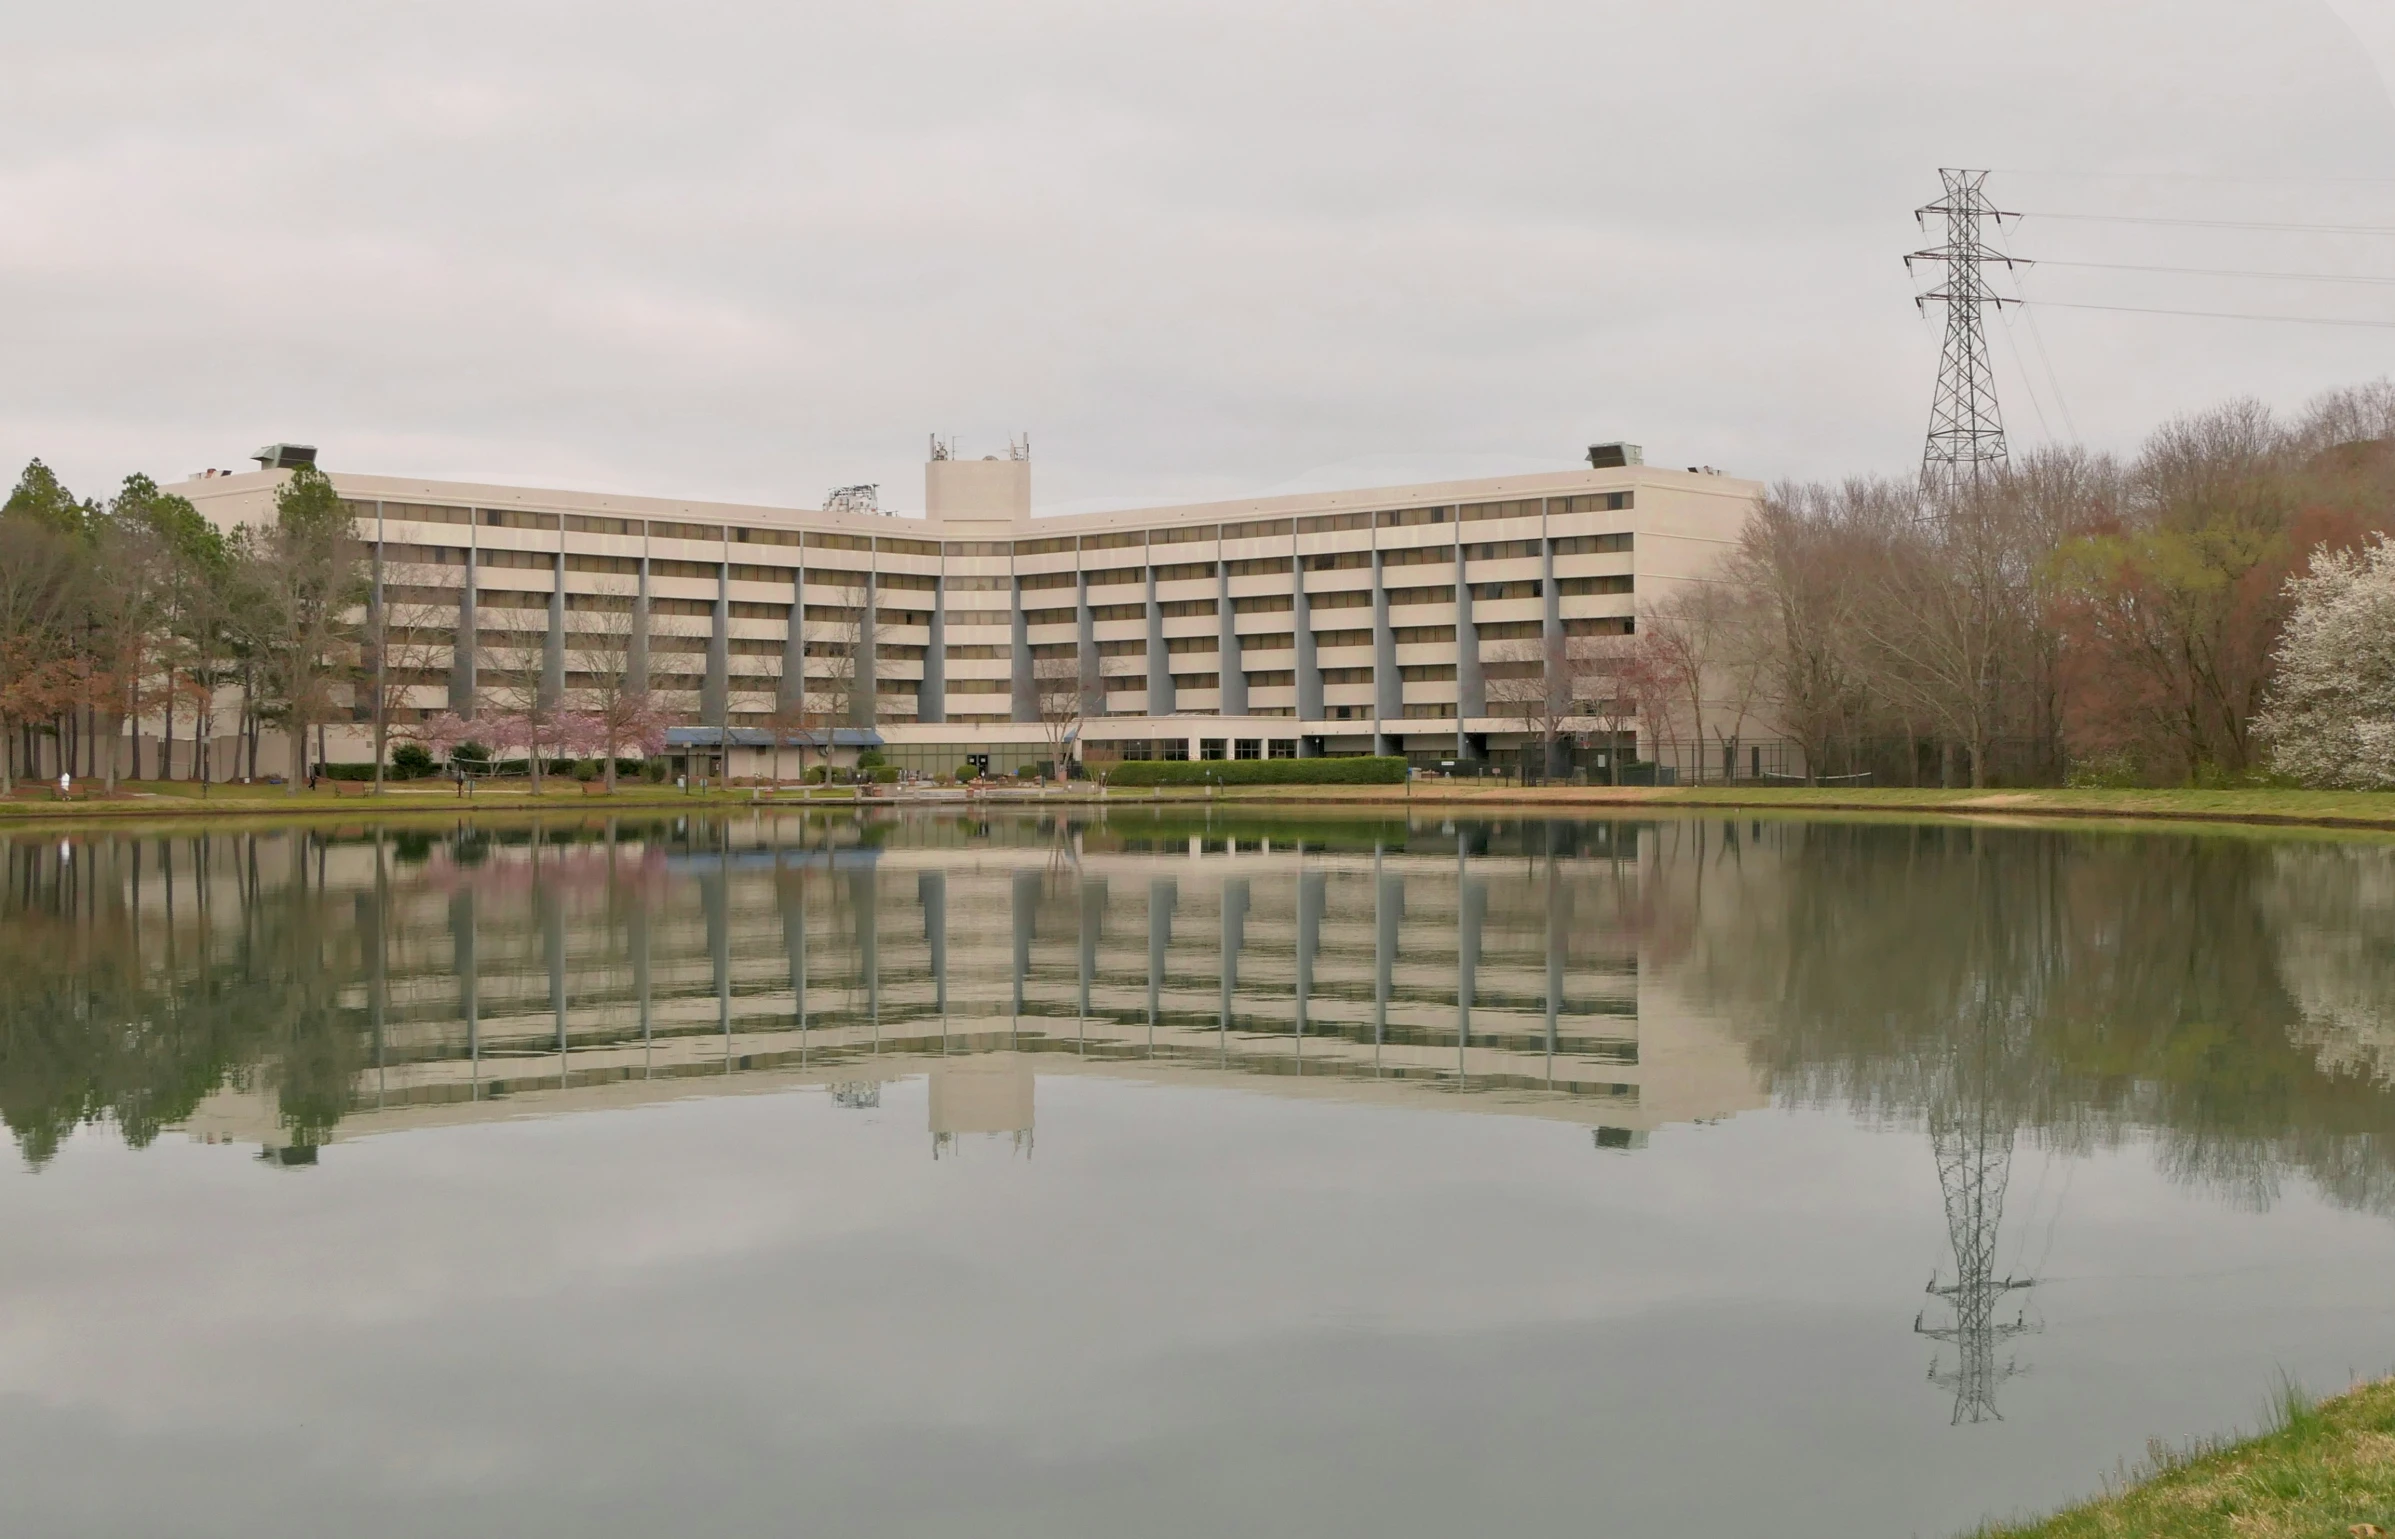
(1331, 1177)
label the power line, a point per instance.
(2215, 224)
(2217, 315)
(2038, 336)
(2217, 272)
(2200, 176)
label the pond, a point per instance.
(1167, 1174)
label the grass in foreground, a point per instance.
(2323, 1469)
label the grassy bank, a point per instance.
(2325, 1469)
(2328, 809)
(2369, 810)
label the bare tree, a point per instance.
(513, 671)
(412, 629)
(1062, 695)
(1529, 680)
(1699, 644)
(603, 685)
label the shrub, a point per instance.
(884, 774)
(817, 774)
(1026, 772)
(653, 771)
(1388, 770)
(474, 758)
(965, 773)
(871, 758)
(412, 761)
(347, 771)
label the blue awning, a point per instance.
(817, 738)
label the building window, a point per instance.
(1400, 518)
(1593, 545)
(1284, 748)
(1334, 639)
(1336, 561)
(1327, 523)
(1210, 747)
(1580, 587)
(1257, 566)
(1173, 748)
(1250, 748)
(1595, 502)
(1526, 508)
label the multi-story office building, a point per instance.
(1396, 620)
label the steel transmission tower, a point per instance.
(1966, 430)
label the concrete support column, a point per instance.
(1309, 667)
(1471, 689)
(1553, 645)
(552, 692)
(1085, 629)
(1388, 691)
(1026, 683)
(636, 648)
(715, 691)
(868, 699)
(931, 699)
(1161, 697)
(1232, 672)
(467, 645)
(790, 693)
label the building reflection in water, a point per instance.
(507, 972)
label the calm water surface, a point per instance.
(926, 1176)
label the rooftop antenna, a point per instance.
(1966, 430)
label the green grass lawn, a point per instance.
(2325, 1470)
(2322, 809)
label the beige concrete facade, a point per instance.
(1348, 622)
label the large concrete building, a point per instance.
(1397, 620)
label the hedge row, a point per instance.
(1354, 771)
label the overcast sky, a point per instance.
(1195, 250)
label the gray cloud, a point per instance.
(1194, 249)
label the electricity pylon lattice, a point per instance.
(1971, 1136)
(1966, 429)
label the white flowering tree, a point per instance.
(2331, 716)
